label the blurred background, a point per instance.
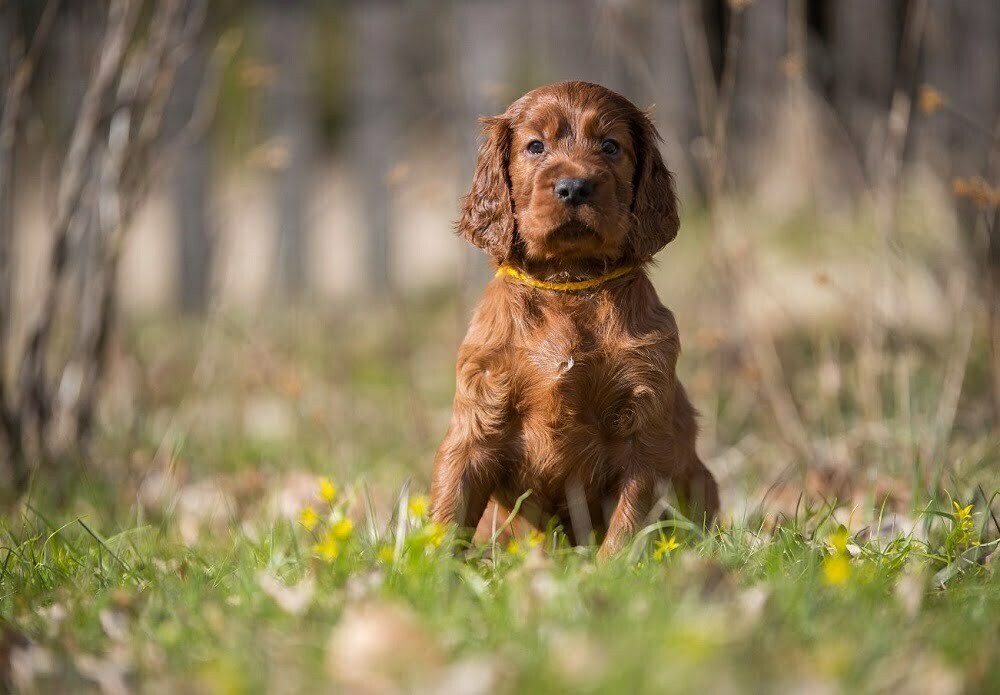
(226, 228)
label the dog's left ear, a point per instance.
(487, 214)
(654, 201)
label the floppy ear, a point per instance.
(654, 202)
(487, 213)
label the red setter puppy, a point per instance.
(566, 380)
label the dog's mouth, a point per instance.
(573, 230)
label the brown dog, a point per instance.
(565, 381)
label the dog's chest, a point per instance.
(578, 387)
(578, 401)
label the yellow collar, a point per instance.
(525, 279)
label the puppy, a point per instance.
(566, 382)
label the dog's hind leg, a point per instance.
(694, 484)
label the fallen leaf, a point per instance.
(295, 599)
(752, 602)
(577, 657)
(268, 419)
(106, 673)
(909, 591)
(204, 504)
(27, 663)
(53, 616)
(115, 624)
(477, 675)
(363, 585)
(382, 648)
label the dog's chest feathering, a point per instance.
(573, 387)
(577, 383)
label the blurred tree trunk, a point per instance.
(970, 61)
(6, 205)
(760, 86)
(5, 39)
(485, 32)
(101, 180)
(191, 184)
(864, 44)
(65, 69)
(286, 28)
(673, 94)
(75, 34)
(566, 39)
(377, 31)
(962, 61)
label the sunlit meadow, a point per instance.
(258, 521)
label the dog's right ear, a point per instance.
(487, 213)
(654, 205)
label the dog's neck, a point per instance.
(569, 270)
(507, 271)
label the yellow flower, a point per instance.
(836, 569)
(327, 490)
(419, 506)
(385, 554)
(342, 529)
(962, 513)
(328, 549)
(430, 535)
(962, 517)
(435, 533)
(535, 538)
(309, 518)
(514, 547)
(664, 546)
(839, 539)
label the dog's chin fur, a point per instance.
(571, 231)
(573, 242)
(572, 395)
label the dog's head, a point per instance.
(570, 172)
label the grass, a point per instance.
(739, 609)
(176, 559)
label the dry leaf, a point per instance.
(473, 676)
(106, 673)
(382, 648)
(909, 591)
(291, 599)
(930, 99)
(115, 624)
(268, 418)
(578, 658)
(204, 504)
(27, 663)
(53, 616)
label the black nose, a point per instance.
(574, 191)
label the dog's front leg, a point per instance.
(635, 500)
(465, 475)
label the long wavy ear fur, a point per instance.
(654, 205)
(487, 213)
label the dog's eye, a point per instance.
(609, 147)
(536, 147)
